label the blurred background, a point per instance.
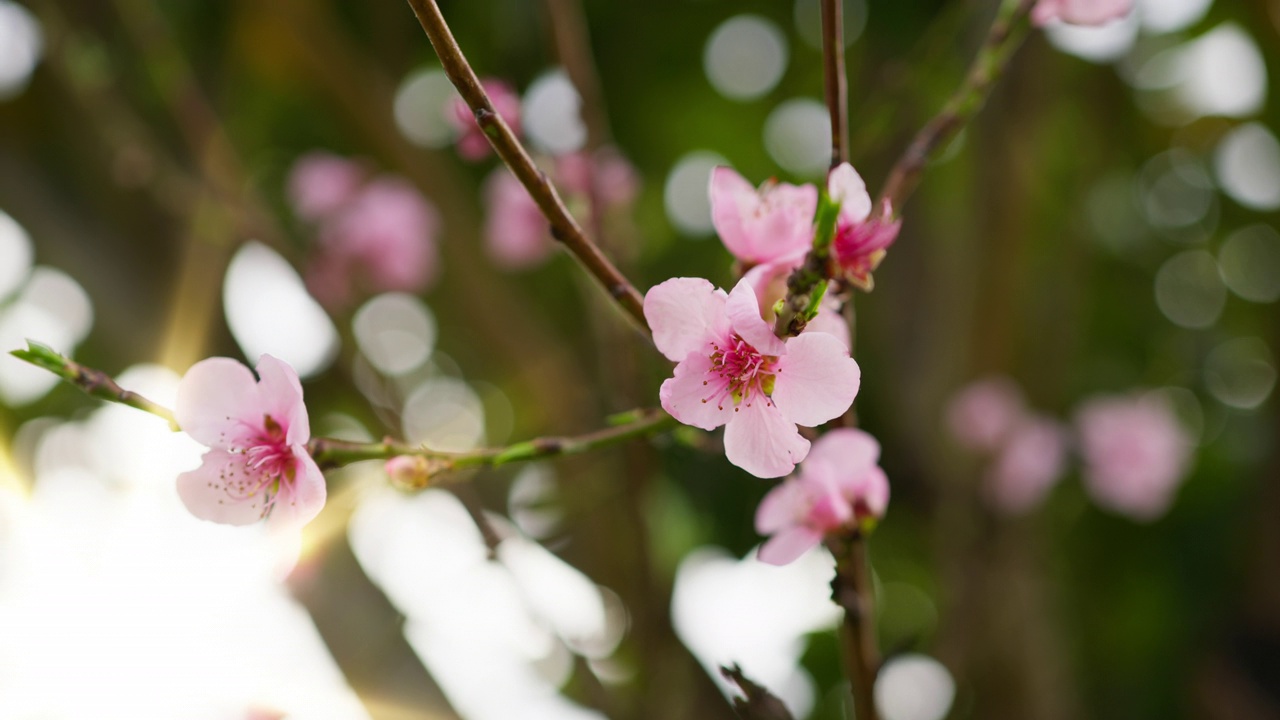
(1107, 227)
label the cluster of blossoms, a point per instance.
(516, 232)
(373, 234)
(1134, 452)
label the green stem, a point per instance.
(334, 453)
(1004, 37)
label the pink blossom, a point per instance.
(1031, 459)
(839, 484)
(257, 465)
(472, 143)
(982, 414)
(383, 240)
(765, 224)
(320, 183)
(615, 180)
(1135, 453)
(733, 371)
(516, 232)
(861, 240)
(1080, 12)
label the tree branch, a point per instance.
(758, 703)
(852, 590)
(563, 227)
(837, 83)
(1004, 37)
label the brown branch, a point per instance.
(852, 590)
(1004, 37)
(837, 83)
(563, 227)
(758, 703)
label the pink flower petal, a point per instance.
(762, 441)
(743, 311)
(761, 225)
(873, 491)
(516, 233)
(305, 498)
(281, 395)
(218, 403)
(320, 183)
(816, 380)
(845, 186)
(789, 545)
(843, 452)
(686, 315)
(204, 490)
(785, 505)
(685, 395)
(830, 321)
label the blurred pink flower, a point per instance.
(516, 233)
(1080, 12)
(861, 240)
(733, 371)
(761, 225)
(383, 240)
(320, 183)
(839, 484)
(983, 413)
(472, 143)
(615, 179)
(1031, 460)
(1135, 453)
(257, 466)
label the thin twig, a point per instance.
(837, 83)
(1004, 37)
(852, 590)
(333, 453)
(563, 227)
(572, 39)
(757, 702)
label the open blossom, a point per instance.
(838, 485)
(383, 240)
(765, 224)
(257, 466)
(516, 232)
(1135, 453)
(472, 144)
(1080, 12)
(983, 413)
(861, 239)
(1032, 459)
(733, 371)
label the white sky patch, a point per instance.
(270, 311)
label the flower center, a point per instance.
(740, 372)
(269, 463)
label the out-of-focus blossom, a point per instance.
(472, 143)
(839, 484)
(616, 182)
(1080, 12)
(320, 183)
(861, 240)
(1031, 460)
(409, 471)
(383, 240)
(257, 465)
(983, 414)
(516, 232)
(1135, 453)
(733, 371)
(761, 225)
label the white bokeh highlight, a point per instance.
(745, 57)
(270, 311)
(1247, 163)
(1241, 373)
(551, 114)
(914, 687)
(1249, 261)
(1189, 290)
(21, 43)
(686, 193)
(421, 107)
(396, 332)
(797, 135)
